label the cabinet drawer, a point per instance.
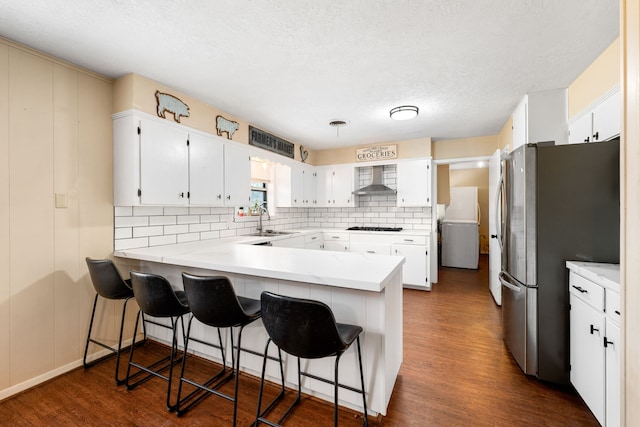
(310, 238)
(587, 291)
(410, 240)
(613, 306)
(336, 237)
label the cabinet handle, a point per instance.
(586, 139)
(219, 196)
(408, 240)
(617, 312)
(181, 195)
(335, 237)
(313, 238)
(229, 197)
(579, 289)
(595, 136)
(371, 252)
(594, 330)
(607, 342)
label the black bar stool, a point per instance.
(109, 285)
(306, 329)
(156, 298)
(213, 302)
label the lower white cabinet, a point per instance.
(594, 343)
(313, 241)
(415, 249)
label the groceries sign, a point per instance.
(380, 152)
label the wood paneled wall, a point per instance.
(55, 137)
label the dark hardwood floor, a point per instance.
(456, 372)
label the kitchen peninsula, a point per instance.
(360, 288)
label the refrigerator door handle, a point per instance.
(498, 211)
(505, 283)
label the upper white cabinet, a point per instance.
(163, 164)
(206, 171)
(539, 117)
(414, 183)
(335, 186)
(599, 123)
(295, 185)
(237, 175)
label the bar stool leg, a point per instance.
(364, 395)
(86, 347)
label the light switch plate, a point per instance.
(61, 200)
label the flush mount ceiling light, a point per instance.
(404, 112)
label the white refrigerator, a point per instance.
(460, 229)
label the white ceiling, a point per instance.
(291, 66)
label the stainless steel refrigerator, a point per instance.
(559, 203)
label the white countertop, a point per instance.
(607, 275)
(237, 255)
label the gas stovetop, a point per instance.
(374, 228)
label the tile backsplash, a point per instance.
(145, 226)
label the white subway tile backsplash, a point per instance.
(147, 210)
(163, 220)
(154, 226)
(163, 240)
(123, 211)
(148, 231)
(131, 221)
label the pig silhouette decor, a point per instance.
(225, 125)
(171, 104)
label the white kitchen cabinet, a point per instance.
(295, 185)
(160, 163)
(600, 123)
(414, 182)
(373, 248)
(237, 175)
(587, 354)
(335, 186)
(313, 241)
(290, 242)
(539, 117)
(594, 343)
(206, 171)
(415, 249)
(336, 241)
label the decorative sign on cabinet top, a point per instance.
(262, 139)
(170, 103)
(380, 152)
(226, 125)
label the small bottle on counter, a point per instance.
(241, 211)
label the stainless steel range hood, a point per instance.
(376, 187)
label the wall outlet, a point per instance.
(61, 200)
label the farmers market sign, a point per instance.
(380, 152)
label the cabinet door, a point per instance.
(297, 186)
(415, 268)
(309, 191)
(163, 164)
(324, 187)
(587, 354)
(370, 248)
(414, 183)
(580, 130)
(613, 356)
(342, 184)
(237, 176)
(339, 246)
(606, 118)
(206, 171)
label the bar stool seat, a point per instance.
(156, 298)
(214, 302)
(108, 284)
(306, 329)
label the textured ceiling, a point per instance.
(292, 66)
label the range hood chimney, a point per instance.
(376, 186)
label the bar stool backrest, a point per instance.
(301, 327)
(213, 301)
(106, 280)
(155, 296)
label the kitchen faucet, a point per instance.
(262, 208)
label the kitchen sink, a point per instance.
(272, 233)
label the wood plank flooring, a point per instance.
(456, 372)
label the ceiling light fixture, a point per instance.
(338, 124)
(404, 112)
